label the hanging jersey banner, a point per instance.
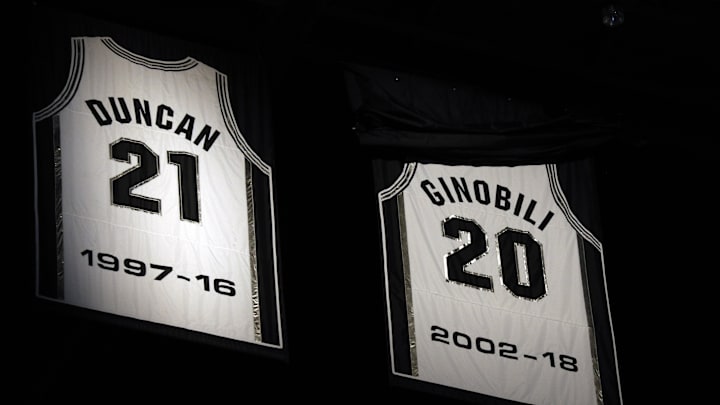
(494, 286)
(156, 198)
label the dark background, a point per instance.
(649, 79)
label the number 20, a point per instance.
(148, 167)
(508, 242)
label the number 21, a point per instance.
(148, 168)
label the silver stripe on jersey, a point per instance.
(407, 286)
(60, 255)
(591, 321)
(252, 242)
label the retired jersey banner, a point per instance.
(154, 206)
(494, 286)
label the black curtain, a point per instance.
(417, 117)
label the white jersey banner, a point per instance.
(155, 196)
(487, 283)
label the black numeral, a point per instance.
(147, 168)
(511, 243)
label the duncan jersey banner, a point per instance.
(494, 286)
(156, 197)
